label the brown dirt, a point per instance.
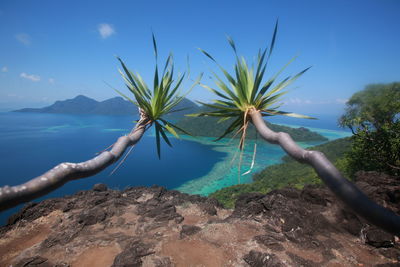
(17, 242)
(185, 253)
(97, 256)
(23, 237)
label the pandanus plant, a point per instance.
(247, 98)
(153, 105)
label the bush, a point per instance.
(377, 150)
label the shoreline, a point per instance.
(224, 173)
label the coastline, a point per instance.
(225, 172)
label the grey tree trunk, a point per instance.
(65, 172)
(343, 188)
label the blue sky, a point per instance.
(51, 50)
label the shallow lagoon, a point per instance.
(226, 171)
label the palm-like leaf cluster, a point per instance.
(246, 90)
(159, 101)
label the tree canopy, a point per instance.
(376, 105)
(373, 116)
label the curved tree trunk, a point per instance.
(343, 189)
(65, 172)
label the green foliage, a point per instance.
(377, 150)
(208, 127)
(289, 173)
(159, 101)
(245, 90)
(374, 113)
(375, 106)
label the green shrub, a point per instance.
(289, 173)
(377, 150)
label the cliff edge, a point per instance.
(143, 226)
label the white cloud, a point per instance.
(32, 77)
(4, 69)
(23, 38)
(298, 101)
(105, 30)
(341, 101)
(52, 81)
(15, 96)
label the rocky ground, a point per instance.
(155, 227)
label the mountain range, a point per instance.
(113, 106)
(203, 126)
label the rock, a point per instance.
(248, 205)
(291, 222)
(299, 261)
(67, 206)
(188, 230)
(163, 262)
(246, 198)
(315, 195)
(33, 211)
(160, 211)
(51, 241)
(390, 253)
(179, 219)
(379, 238)
(274, 200)
(209, 206)
(36, 261)
(349, 221)
(259, 259)
(382, 188)
(100, 187)
(159, 191)
(62, 238)
(289, 192)
(271, 241)
(131, 256)
(91, 216)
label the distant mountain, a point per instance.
(113, 106)
(184, 107)
(85, 105)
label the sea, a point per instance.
(32, 143)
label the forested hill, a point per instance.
(113, 106)
(289, 173)
(209, 126)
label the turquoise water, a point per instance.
(226, 171)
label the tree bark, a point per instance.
(343, 188)
(65, 172)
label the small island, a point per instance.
(209, 127)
